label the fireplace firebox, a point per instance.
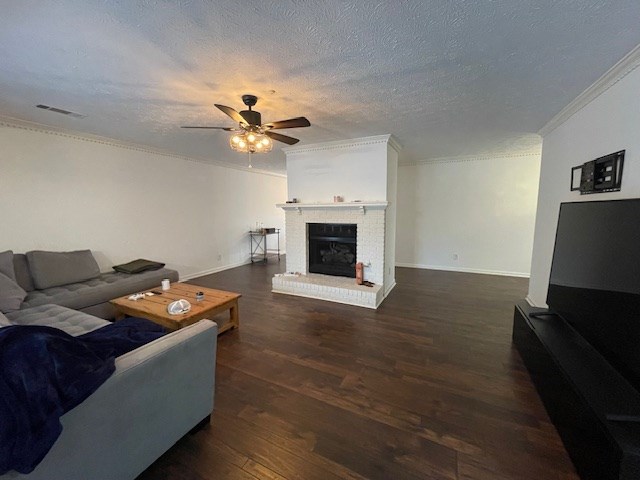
(332, 249)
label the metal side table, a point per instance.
(259, 250)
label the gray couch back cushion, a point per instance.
(6, 264)
(4, 321)
(51, 269)
(21, 267)
(11, 294)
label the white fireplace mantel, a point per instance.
(362, 206)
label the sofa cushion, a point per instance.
(6, 264)
(71, 321)
(98, 290)
(11, 294)
(52, 269)
(4, 321)
(21, 268)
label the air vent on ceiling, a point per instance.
(60, 110)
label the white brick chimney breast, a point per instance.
(363, 172)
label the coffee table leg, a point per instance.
(234, 316)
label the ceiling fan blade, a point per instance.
(282, 138)
(227, 129)
(291, 123)
(232, 113)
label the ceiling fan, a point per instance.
(252, 135)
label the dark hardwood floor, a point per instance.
(426, 387)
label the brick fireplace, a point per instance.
(369, 220)
(362, 227)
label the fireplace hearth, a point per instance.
(332, 249)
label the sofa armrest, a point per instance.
(157, 394)
(147, 352)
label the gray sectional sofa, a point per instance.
(91, 295)
(158, 393)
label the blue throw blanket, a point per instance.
(45, 372)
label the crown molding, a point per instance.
(9, 122)
(350, 143)
(393, 143)
(468, 158)
(624, 67)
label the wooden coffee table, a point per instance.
(155, 307)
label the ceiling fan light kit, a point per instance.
(251, 135)
(249, 142)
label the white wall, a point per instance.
(608, 124)
(356, 170)
(482, 210)
(61, 192)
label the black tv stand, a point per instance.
(614, 417)
(595, 410)
(542, 314)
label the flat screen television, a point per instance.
(595, 278)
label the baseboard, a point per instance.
(387, 291)
(464, 270)
(213, 270)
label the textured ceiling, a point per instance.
(447, 78)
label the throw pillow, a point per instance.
(6, 264)
(4, 321)
(11, 294)
(138, 266)
(51, 269)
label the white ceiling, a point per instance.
(447, 78)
